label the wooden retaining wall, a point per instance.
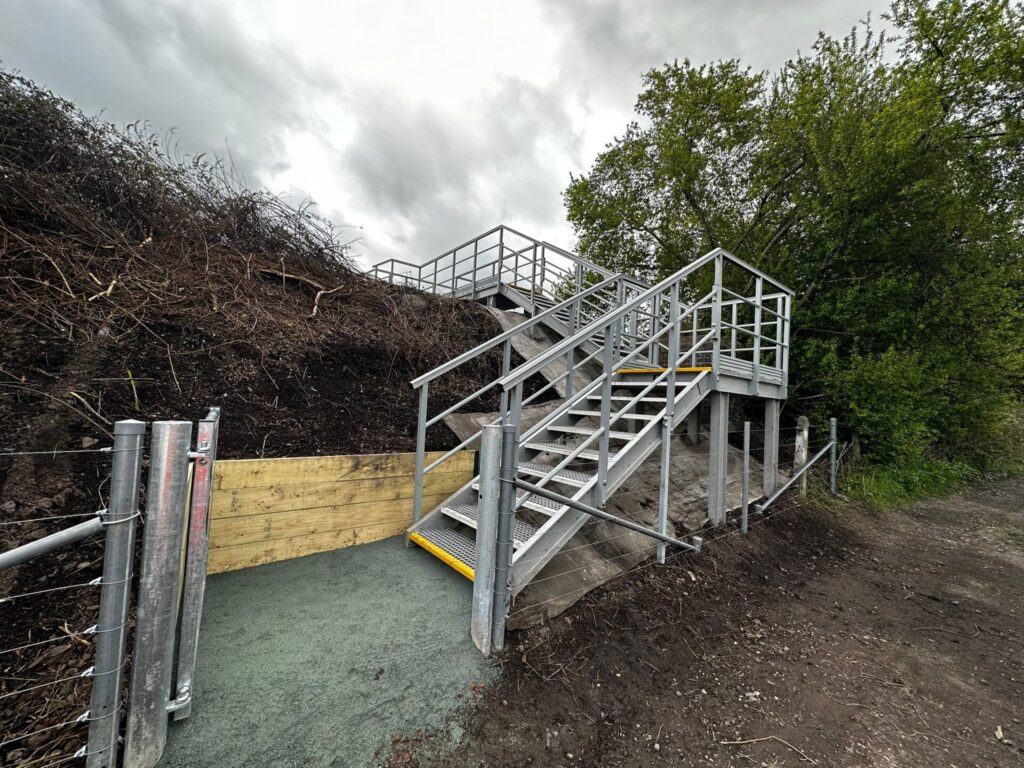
(263, 510)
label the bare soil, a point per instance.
(830, 638)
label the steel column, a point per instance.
(669, 418)
(421, 450)
(718, 457)
(115, 594)
(770, 460)
(157, 613)
(803, 428)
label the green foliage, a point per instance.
(895, 484)
(880, 179)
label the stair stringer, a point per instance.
(556, 532)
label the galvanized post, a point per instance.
(486, 537)
(832, 430)
(716, 323)
(803, 428)
(606, 407)
(718, 456)
(503, 548)
(745, 500)
(157, 613)
(755, 383)
(421, 450)
(770, 459)
(669, 420)
(115, 594)
(196, 561)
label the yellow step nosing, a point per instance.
(697, 369)
(445, 557)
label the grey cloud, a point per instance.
(184, 65)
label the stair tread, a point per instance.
(627, 398)
(566, 476)
(638, 416)
(614, 435)
(469, 513)
(589, 454)
(456, 545)
(547, 506)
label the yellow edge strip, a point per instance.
(662, 370)
(443, 556)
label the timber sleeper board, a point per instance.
(258, 501)
(234, 531)
(257, 473)
(261, 553)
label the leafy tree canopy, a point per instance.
(880, 177)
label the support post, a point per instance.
(197, 551)
(832, 462)
(745, 499)
(115, 594)
(486, 538)
(157, 614)
(803, 428)
(770, 460)
(421, 450)
(693, 425)
(503, 548)
(718, 457)
(669, 418)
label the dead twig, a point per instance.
(803, 755)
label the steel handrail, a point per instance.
(534, 365)
(501, 338)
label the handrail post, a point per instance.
(112, 626)
(668, 422)
(716, 322)
(655, 355)
(506, 520)
(476, 255)
(758, 293)
(533, 281)
(787, 323)
(506, 366)
(421, 450)
(544, 266)
(607, 366)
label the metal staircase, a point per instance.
(632, 364)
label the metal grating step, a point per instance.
(637, 416)
(565, 476)
(627, 398)
(467, 514)
(587, 432)
(589, 454)
(450, 546)
(540, 504)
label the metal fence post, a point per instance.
(745, 500)
(803, 428)
(156, 617)
(832, 430)
(486, 538)
(503, 548)
(112, 626)
(196, 561)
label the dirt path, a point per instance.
(851, 640)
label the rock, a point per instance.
(89, 442)
(9, 507)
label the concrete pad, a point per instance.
(317, 661)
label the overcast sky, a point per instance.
(423, 123)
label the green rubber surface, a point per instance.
(317, 661)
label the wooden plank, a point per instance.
(233, 531)
(260, 553)
(258, 501)
(257, 473)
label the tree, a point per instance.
(881, 179)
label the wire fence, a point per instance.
(617, 549)
(61, 574)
